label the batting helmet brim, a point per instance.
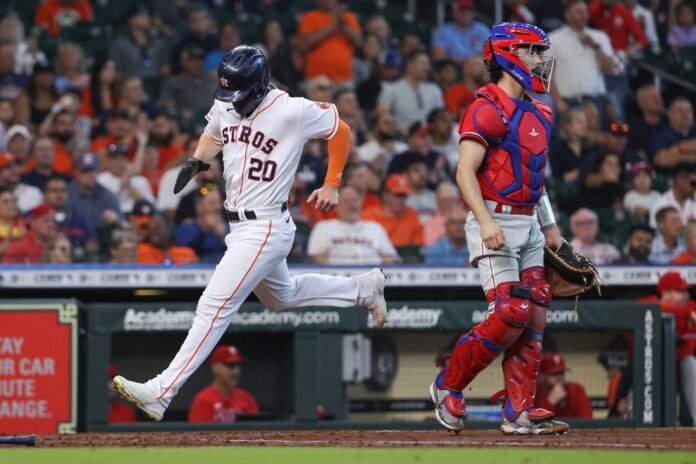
(230, 95)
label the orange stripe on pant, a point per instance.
(234, 292)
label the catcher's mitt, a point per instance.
(569, 273)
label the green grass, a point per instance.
(273, 455)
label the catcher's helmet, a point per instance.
(533, 69)
(243, 78)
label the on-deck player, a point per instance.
(261, 131)
(504, 139)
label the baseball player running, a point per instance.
(261, 131)
(504, 138)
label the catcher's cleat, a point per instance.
(450, 407)
(523, 425)
(137, 394)
(375, 302)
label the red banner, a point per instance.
(38, 368)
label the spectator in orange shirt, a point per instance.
(556, 394)
(689, 256)
(329, 36)
(54, 15)
(62, 127)
(119, 412)
(358, 176)
(155, 238)
(401, 222)
(222, 400)
(119, 132)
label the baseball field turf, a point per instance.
(285, 455)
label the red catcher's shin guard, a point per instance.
(523, 358)
(480, 346)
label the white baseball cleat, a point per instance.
(524, 426)
(137, 394)
(374, 302)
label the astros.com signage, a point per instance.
(648, 369)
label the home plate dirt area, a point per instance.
(681, 439)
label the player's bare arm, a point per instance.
(471, 156)
(326, 197)
(205, 152)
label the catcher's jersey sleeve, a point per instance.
(213, 129)
(481, 123)
(318, 120)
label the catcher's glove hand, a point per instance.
(190, 168)
(569, 273)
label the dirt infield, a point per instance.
(629, 439)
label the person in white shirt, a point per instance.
(118, 178)
(445, 135)
(668, 243)
(639, 200)
(680, 196)
(348, 239)
(381, 149)
(412, 97)
(583, 55)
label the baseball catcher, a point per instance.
(504, 140)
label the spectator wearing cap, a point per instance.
(447, 197)
(420, 144)
(30, 249)
(155, 244)
(673, 296)
(119, 411)
(639, 200)
(638, 245)
(28, 196)
(422, 199)
(205, 233)
(123, 248)
(223, 400)
(19, 144)
(329, 35)
(556, 394)
(677, 142)
(348, 239)
(616, 141)
(119, 178)
(12, 226)
(411, 98)
(583, 56)
(584, 225)
(689, 256)
(13, 85)
(383, 144)
(55, 15)
(459, 96)
(96, 203)
(69, 220)
(228, 38)
(668, 243)
(462, 38)
(573, 151)
(187, 94)
(648, 122)
(401, 222)
(452, 248)
(200, 34)
(137, 52)
(388, 69)
(680, 195)
(41, 160)
(445, 136)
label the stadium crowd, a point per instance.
(102, 101)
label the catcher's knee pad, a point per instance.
(535, 279)
(480, 346)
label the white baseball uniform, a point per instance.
(260, 156)
(359, 243)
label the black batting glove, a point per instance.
(191, 167)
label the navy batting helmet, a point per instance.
(243, 78)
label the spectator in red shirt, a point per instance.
(119, 412)
(556, 394)
(612, 17)
(673, 296)
(31, 248)
(55, 15)
(222, 400)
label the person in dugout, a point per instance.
(222, 400)
(554, 393)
